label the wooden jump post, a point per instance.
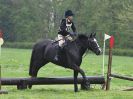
(109, 74)
(109, 63)
(22, 83)
(109, 70)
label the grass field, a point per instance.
(15, 63)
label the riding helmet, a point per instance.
(68, 13)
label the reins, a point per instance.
(85, 53)
(56, 41)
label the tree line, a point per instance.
(30, 20)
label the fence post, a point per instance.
(109, 69)
(111, 45)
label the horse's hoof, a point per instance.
(103, 86)
(29, 86)
(75, 90)
(85, 85)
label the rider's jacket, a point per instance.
(66, 27)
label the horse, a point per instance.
(44, 52)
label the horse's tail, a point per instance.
(30, 68)
(31, 63)
(37, 58)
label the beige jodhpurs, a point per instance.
(61, 39)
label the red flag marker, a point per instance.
(1, 39)
(0, 34)
(111, 42)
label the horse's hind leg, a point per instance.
(35, 68)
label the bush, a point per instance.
(29, 45)
(24, 45)
(122, 52)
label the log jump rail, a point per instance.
(122, 77)
(22, 83)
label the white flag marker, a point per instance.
(105, 38)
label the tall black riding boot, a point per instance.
(58, 53)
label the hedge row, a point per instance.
(122, 52)
(23, 45)
(29, 45)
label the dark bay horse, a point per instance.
(45, 51)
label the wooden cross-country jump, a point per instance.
(22, 83)
(110, 74)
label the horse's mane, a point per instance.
(82, 37)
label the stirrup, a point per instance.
(56, 58)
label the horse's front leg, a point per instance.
(75, 81)
(85, 84)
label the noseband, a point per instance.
(90, 47)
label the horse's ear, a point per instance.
(94, 35)
(91, 35)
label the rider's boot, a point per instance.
(58, 53)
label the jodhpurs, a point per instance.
(61, 39)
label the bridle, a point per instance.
(90, 47)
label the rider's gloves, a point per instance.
(73, 33)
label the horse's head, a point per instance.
(93, 44)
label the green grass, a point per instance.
(15, 63)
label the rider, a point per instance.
(67, 29)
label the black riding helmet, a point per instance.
(68, 13)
